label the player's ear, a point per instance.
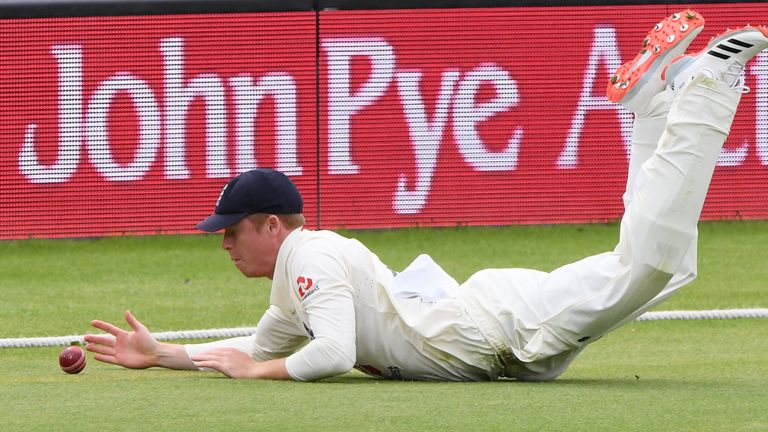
(273, 224)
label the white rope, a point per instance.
(162, 336)
(705, 314)
(245, 331)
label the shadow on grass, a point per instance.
(562, 382)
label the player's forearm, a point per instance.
(322, 358)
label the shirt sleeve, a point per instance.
(276, 336)
(320, 280)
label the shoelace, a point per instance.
(733, 75)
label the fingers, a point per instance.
(214, 358)
(208, 364)
(207, 360)
(221, 359)
(107, 327)
(217, 354)
(219, 351)
(108, 340)
(207, 356)
(106, 359)
(114, 330)
(101, 345)
(135, 324)
(101, 349)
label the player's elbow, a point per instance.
(321, 358)
(340, 359)
(341, 366)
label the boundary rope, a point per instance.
(245, 331)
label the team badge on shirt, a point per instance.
(306, 287)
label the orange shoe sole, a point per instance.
(666, 41)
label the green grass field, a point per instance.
(670, 376)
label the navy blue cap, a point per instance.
(261, 190)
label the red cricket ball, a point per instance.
(72, 360)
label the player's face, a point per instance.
(252, 248)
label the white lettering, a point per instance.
(69, 59)
(425, 136)
(178, 98)
(342, 104)
(760, 70)
(735, 157)
(467, 115)
(247, 99)
(603, 50)
(97, 130)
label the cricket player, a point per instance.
(335, 306)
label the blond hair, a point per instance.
(290, 221)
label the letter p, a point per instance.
(342, 104)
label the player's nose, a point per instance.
(226, 242)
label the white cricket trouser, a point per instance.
(538, 322)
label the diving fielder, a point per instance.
(334, 305)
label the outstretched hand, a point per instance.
(136, 349)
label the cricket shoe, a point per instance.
(723, 58)
(637, 81)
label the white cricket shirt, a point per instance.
(336, 297)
